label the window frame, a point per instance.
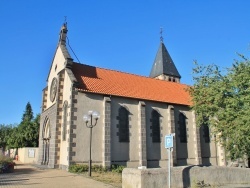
(155, 126)
(123, 124)
(182, 128)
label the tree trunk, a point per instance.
(3, 150)
(249, 162)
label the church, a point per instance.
(135, 114)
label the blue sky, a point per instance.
(113, 34)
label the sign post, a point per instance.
(169, 144)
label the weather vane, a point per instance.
(161, 31)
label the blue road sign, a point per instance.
(169, 141)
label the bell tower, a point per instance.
(163, 67)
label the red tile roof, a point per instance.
(116, 83)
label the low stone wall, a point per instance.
(184, 176)
(28, 155)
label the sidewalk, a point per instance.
(33, 177)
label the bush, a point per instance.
(77, 168)
(80, 168)
(99, 168)
(117, 168)
(6, 164)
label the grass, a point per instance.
(112, 178)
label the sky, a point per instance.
(120, 35)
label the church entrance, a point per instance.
(46, 143)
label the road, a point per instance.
(31, 176)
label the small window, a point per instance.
(155, 126)
(123, 125)
(55, 67)
(182, 128)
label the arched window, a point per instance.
(155, 119)
(182, 128)
(64, 124)
(206, 134)
(46, 129)
(123, 125)
(46, 142)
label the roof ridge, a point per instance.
(132, 74)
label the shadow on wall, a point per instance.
(181, 141)
(155, 156)
(205, 146)
(186, 176)
(182, 155)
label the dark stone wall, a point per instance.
(51, 114)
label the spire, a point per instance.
(164, 67)
(63, 34)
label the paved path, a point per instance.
(33, 177)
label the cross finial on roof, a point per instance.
(63, 32)
(65, 19)
(161, 31)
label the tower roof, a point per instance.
(163, 64)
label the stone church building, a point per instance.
(136, 112)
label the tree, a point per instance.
(27, 132)
(28, 129)
(15, 138)
(5, 131)
(28, 113)
(222, 101)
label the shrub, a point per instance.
(117, 168)
(77, 168)
(5, 159)
(99, 168)
(6, 164)
(80, 168)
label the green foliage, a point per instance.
(15, 139)
(6, 164)
(29, 131)
(26, 134)
(28, 113)
(80, 168)
(4, 159)
(222, 100)
(117, 168)
(5, 131)
(99, 168)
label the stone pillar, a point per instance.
(142, 134)
(59, 104)
(171, 126)
(106, 153)
(45, 96)
(72, 131)
(221, 155)
(197, 142)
